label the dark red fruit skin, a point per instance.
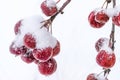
(116, 20)
(17, 50)
(17, 27)
(105, 59)
(91, 77)
(28, 57)
(101, 17)
(93, 22)
(29, 41)
(36, 61)
(42, 54)
(56, 49)
(100, 43)
(47, 68)
(48, 11)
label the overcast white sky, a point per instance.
(77, 57)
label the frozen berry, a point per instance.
(43, 54)
(29, 41)
(93, 22)
(17, 50)
(106, 59)
(101, 16)
(47, 68)
(92, 76)
(56, 49)
(17, 27)
(101, 43)
(49, 7)
(28, 57)
(116, 19)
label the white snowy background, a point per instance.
(77, 56)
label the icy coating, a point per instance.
(110, 11)
(106, 45)
(18, 41)
(42, 36)
(100, 77)
(50, 3)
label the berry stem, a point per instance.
(112, 35)
(50, 20)
(114, 3)
(106, 72)
(61, 9)
(103, 4)
(58, 1)
(107, 2)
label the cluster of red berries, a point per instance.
(98, 17)
(105, 58)
(34, 42)
(104, 46)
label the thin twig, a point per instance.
(60, 10)
(107, 2)
(58, 1)
(103, 4)
(112, 35)
(114, 3)
(50, 20)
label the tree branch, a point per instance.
(50, 20)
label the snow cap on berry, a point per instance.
(116, 10)
(105, 42)
(107, 49)
(106, 45)
(44, 39)
(31, 24)
(50, 3)
(109, 12)
(18, 41)
(96, 10)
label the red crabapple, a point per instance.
(91, 76)
(56, 49)
(106, 59)
(17, 50)
(116, 19)
(48, 67)
(93, 22)
(49, 8)
(29, 41)
(17, 27)
(28, 57)
(43, 54)
(102, 42)
(101, 16)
